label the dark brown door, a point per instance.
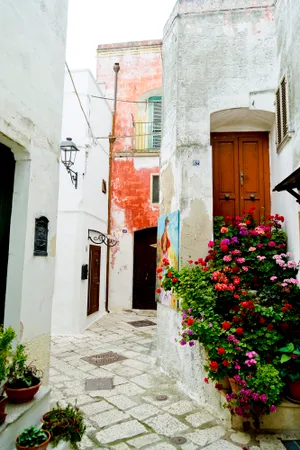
(6, 196)
(94, 279)
(241, 174)
(144, 268)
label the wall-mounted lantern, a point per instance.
(68, 151)
(99, 238)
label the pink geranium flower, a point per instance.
(273, 278)
(252, 249)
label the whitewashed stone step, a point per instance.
(23, 416)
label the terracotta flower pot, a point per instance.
(42, 446)
(225, 383)
(22, 395)
(294, 389)
(3, 401)
(234, 386)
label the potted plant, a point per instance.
(64, 424)
(23, 380)
(6, 337)
(33, 438)
(291, 370)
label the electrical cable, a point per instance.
(126, 101)
(95, 141)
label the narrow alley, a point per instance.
(130, 403)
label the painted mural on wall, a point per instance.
(168, 247)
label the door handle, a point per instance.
(252, 196)
(242, 178)
(227, 196)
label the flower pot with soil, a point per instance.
(64, 424)
(6, 337)
(23, 380)
(33, 438)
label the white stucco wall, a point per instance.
(82, 208)
(288, 158)
(32, 48)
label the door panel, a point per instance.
(94, 279)
(144, 269)
(241, 170)
(6, 196)
(225, 165)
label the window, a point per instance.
(282, 112)
(154, 188)
(155, 111)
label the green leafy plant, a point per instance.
(65, 424)
(241, 302)
(290, 360)
(32, 437)
(21, 375)
(6, 338)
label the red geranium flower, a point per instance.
(239, 331)
(221, 351)
(262, 320)
(159, 277)
(170, 274)
(226, 325)
(224, 248)
(159, 270)
(270, 327)
(236, 319)
(214, 366)
(190, 321)
(225, 363)
(158, 290)
(174, 280)
(219, 386)
(191, 261)
(206, 380)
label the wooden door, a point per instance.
(6, 196)
(144, 269)
(94, 279)
(241, 174)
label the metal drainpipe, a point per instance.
(116, 69)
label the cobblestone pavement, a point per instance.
(130, 415)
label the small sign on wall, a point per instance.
(196, 162)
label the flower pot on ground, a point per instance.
(23, 380)
(294, 390)
(64, 424)
(33, 438)
(6, 337)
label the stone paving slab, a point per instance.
(129, 416)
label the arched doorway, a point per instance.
(144, 269)
(6, 196)
(241, 168)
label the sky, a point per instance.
(93, 22)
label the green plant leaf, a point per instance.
(284, 358)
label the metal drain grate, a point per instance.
(103, 359)
(99, 384)
(142, 323)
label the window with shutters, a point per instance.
(155, 111)
(154, 188)
(147, 133)
(282, 116)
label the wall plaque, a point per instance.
(41, 237)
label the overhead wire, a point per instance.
(83, 111)
(126, 101)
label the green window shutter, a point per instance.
(155, 112)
